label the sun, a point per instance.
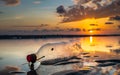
(91, 31)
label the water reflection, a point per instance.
(119, 42)
(103, 44)
(94, 47)
(91, 39)
(69, 56)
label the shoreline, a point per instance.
(50, 36)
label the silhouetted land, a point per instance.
(49, 36)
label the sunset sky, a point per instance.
(60, 16)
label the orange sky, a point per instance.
(42, 16)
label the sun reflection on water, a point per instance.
(91, 39)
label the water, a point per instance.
(13, 53)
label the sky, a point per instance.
(60, 17)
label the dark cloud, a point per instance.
(1, 58)
(93, 24)
(7, 69)
(34, 26)
(118, 26)
(109, 23)
(73, 29)
(116, 51)
(1, 12)
(53, 30)
(11, 2)
(61, 10)
(84, 30)
(57, 29)
(94, 29)
(90, 9)
(117, 18)
(43, 25)
(44, 30)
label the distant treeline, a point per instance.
(48, 36)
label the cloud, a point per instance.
(43, 25)
(1, 12)
(93, 24)
(118, 26)
(7, 69)
(109, 23)
(94, 4)
(61, 10)
(117, 18)
(33, 26)
(84, 30)
(19, 17)
(36, 2)
(84, 9)
(57, 29)
(74, 29)
(11, 2)
(116, 51)
(94, 29)
(1, 58)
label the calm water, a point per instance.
(13, 52)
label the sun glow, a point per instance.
(91, 31)
(90, 21)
